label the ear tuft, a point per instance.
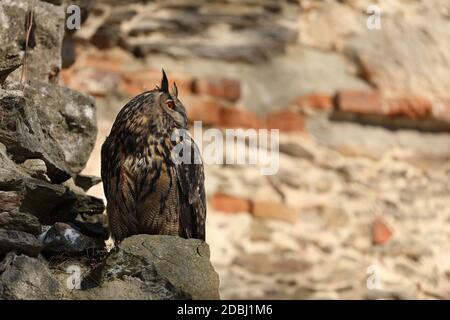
(175, 90)
(164, 83)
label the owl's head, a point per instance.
(170, 104)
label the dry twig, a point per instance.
(29, 24)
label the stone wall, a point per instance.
(285, 53)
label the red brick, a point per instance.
(228, 203)
(136, 82)
(412, 107)
(287, 121)
(381, 232)
(319, 101)
(221, 88)
(273, 210)
(202, 108)
(363, 102)
(237, 118)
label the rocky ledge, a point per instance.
(52, 234)
(143, 267)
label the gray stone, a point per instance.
(70, 119)
(169, 267)
(9, 62)
(19, 242)
(15, 220)
(10, 177)
(44, 47)
(51, 123)
(25, 136)
(87, 182)
(62, 238)
(35, 167)
(9, 201)
(25, 278)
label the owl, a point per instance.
(151, 169)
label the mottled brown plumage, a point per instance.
(146, 189)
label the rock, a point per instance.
(9, 201)
(87, 182)
(220, 88)
(391, 67)
(19, 242)
(48, 202)
(287, 121)
(9, 62)
(15, 220)
(228, 203)
(93, 226)
(25, 278)
(70, 117)
(10, 177)
(168, 267)
(61, 238)
(45, 42)
(25, 136)
(51, 123)
(35, 167)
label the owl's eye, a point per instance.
(170, 103)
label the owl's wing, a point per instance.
(119, 191)
(191, 181)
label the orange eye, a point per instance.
(170, 104)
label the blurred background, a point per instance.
(359, 89)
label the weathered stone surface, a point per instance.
(70, 119)
(49, 202)
(9, 201)
(35, 168)
(51, 123)
(25, 278)
(61, 238)
(19, 242)
(10, 177)
(9, 62)
(24, 136)
(87, 182)
(253, 33)
(15, 220)
(44, 47)
(406, 59)
(92, 225)
(169, 267)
